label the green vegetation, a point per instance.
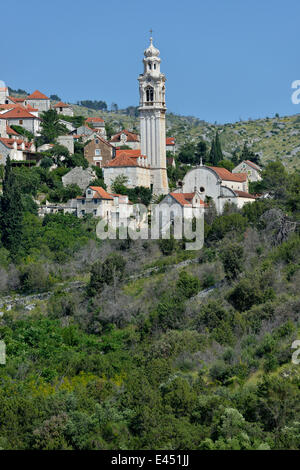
(142, 344)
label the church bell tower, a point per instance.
(153, 118)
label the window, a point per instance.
(149, 94)
(97, 141)
(154, 66)
(202, 189)
(82, 212)
(82, 201)
(95, 211)
(149, 65)
(97, 152)
(21, 121)
(95, 201)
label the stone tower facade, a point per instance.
(153, 119)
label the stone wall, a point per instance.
(80, 177)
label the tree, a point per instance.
(109, 272)
(232, 258)
(55, 97)
(201, 151)
(11, 213)
(119, 184)
(249, 155)
(51, 126)
(58, 152)
(216, 154)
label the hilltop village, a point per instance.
(125, 159)
(113, 344)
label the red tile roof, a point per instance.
(130, 153)
(185, 199)
(244, 194)
(101, 193)
(16, 100)
(11, 131)
(170, 141)
(61, 105)
(228, 176)
(94, 119)
(17, 105)
(131, 137)
(17, 113)
(9, 143)
(37, 95)
(253, 165)
(122, 160)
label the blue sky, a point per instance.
(224, 60)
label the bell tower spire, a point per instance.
(152, 118)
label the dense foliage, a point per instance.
(156, 347)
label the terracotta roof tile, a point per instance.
(94, 119)
(228, 176)
(101, 193)
(37, 95)
(185, 199)
(11, 131)
(253, 165)
(170, 141)
(244, 194)
(131, 137)
(61, 105)
(17, 113)
(122, 160)
(9, 143)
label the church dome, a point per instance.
(151, 51)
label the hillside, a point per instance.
(122, 344)
(271, 138)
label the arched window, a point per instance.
(149, 94)
(149, 65)
(154, 66)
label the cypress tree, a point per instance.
(212, 152)
(11, 212)
(219, 154)
(216, 154)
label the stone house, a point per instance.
(16, 149)
(98, 124)
(63, 108)
(125, 137)
(253, 171)
(114, 208)
(218, 184)
(178, 206)
(79, 176)
(170, 144)
(67, 141)
(134, 168)
(20, 116)
(38, 100)
(98, 151)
